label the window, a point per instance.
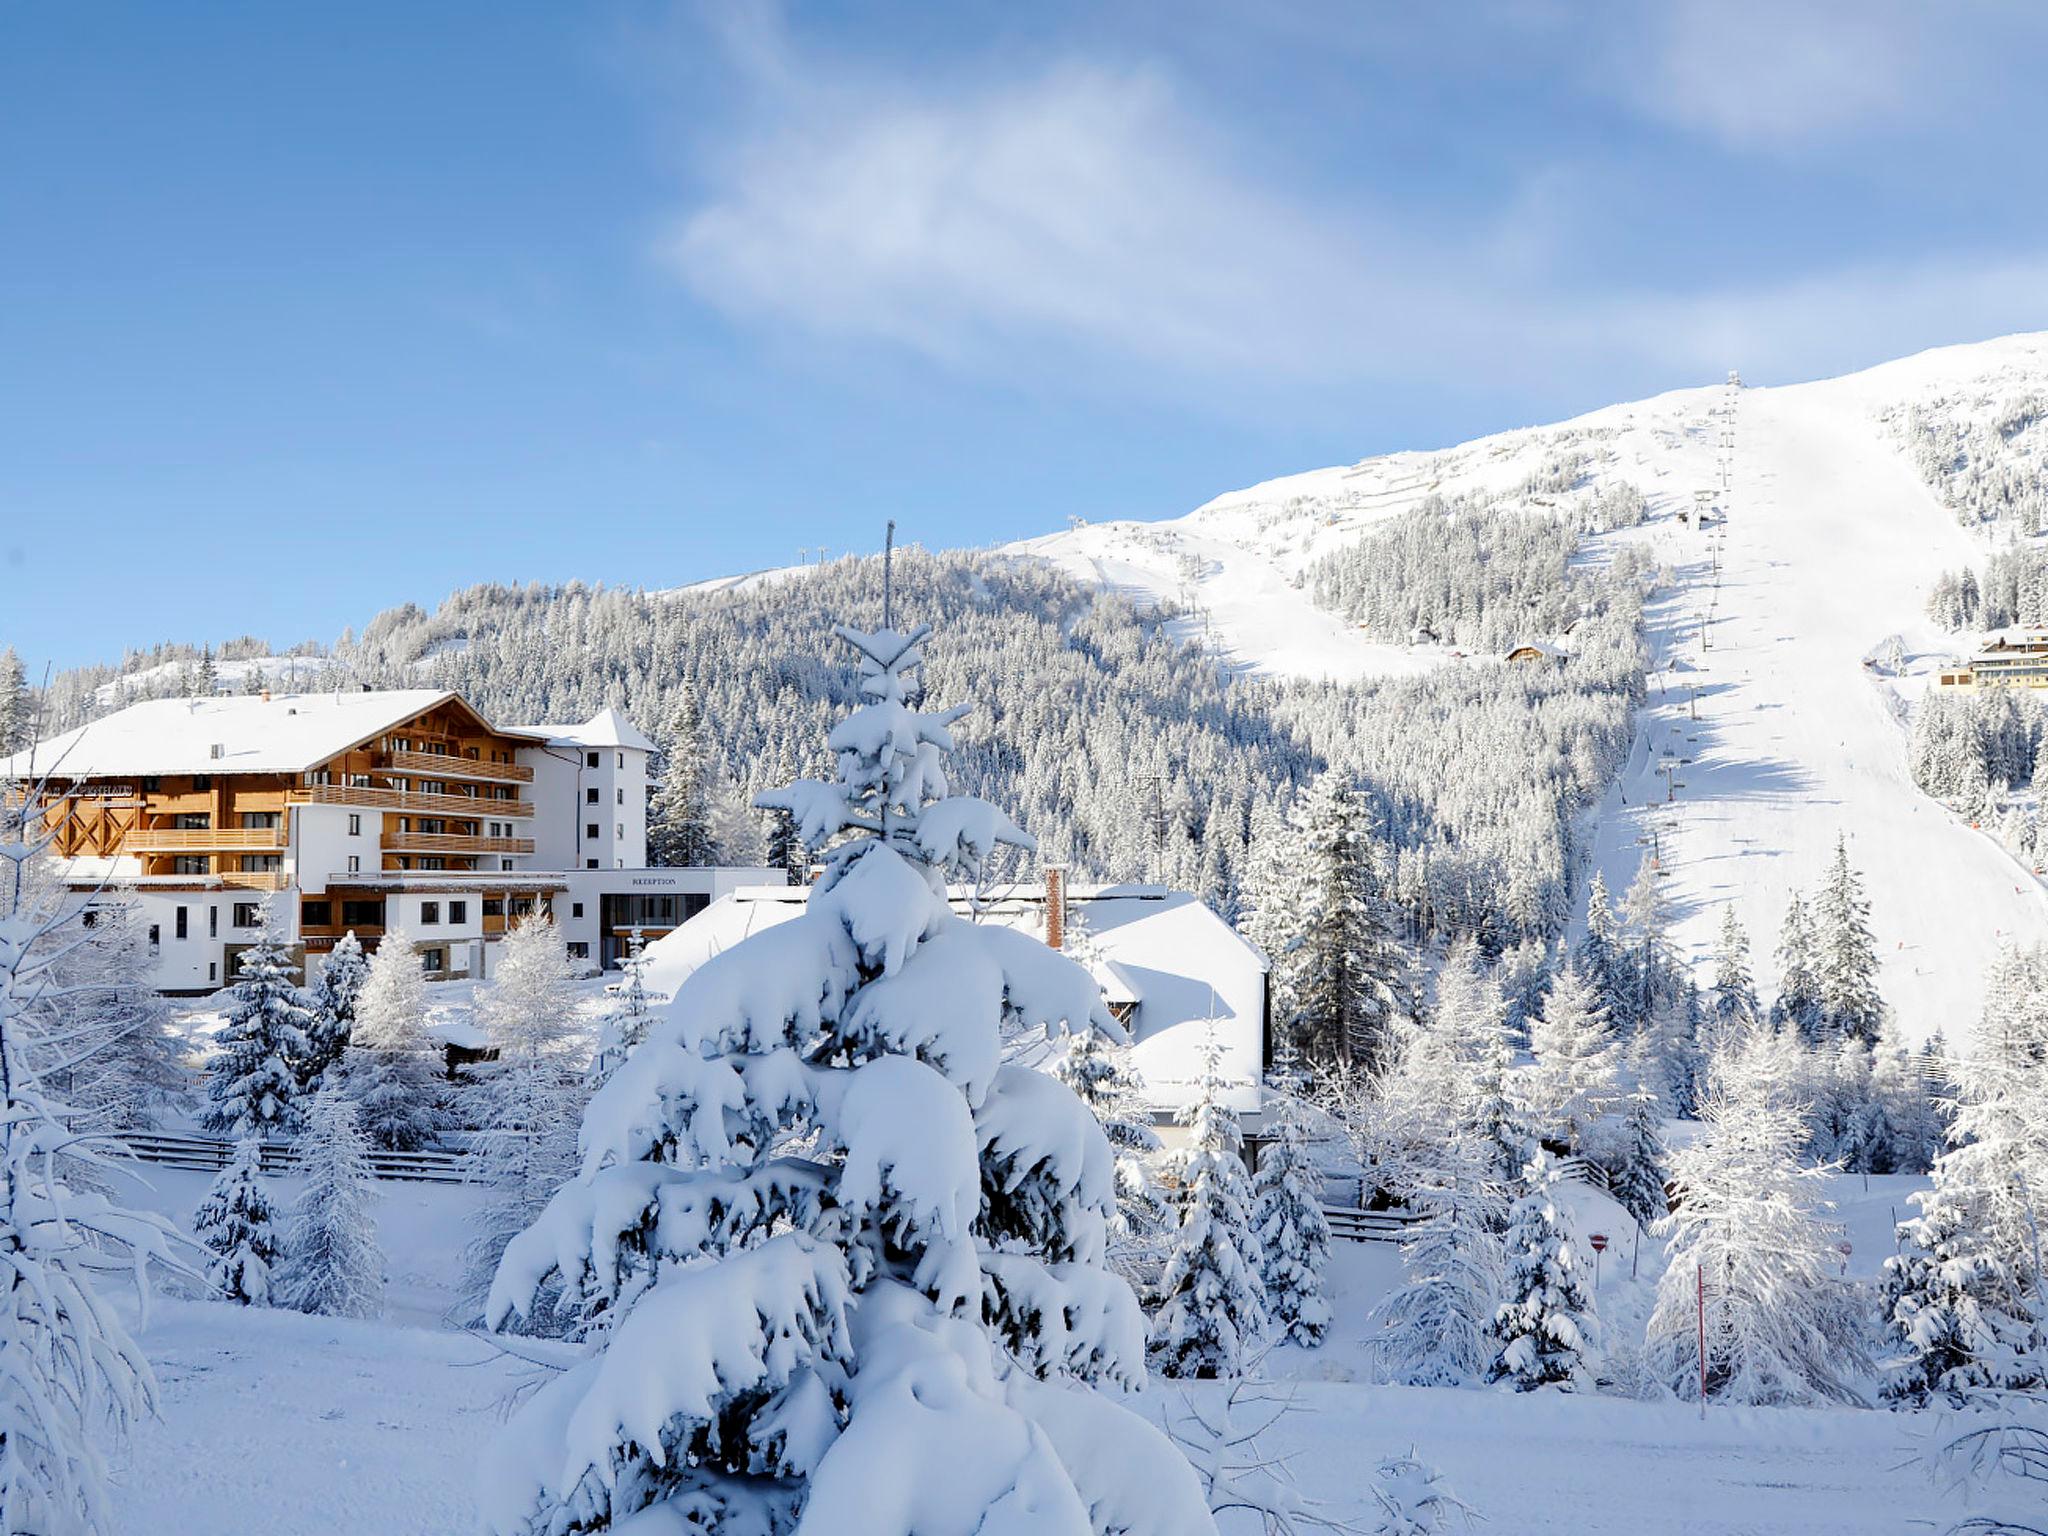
(355, 863)
(590, 864)
(152, 784)
(432, 861)
(258, 820)
(494, 906)
(156, 938)
(575, 909)
(245, 915)
(430, 913)
(362, 914)
(316, 914)
(213, 922)
(620, 834)
(254, 861)
(179, 929)
(201, 782)
(89, 918)
(622, 759)
(519, 906)
(432, 960)
(212, 970)
(591, 831)
(355, 824)
(188, 864)
(579, 951)
(317, 776)
(458, 911)
(191, 821)
(504, 863)
(590, 795)
(590, 759)
(622, 797)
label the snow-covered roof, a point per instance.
(606, 728)
(1547, 648)
(286, 733)
(1163, 950)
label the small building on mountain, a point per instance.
(1537, 650)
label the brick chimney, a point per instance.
(1056, 905)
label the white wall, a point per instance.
(322, 844)
(564, 780)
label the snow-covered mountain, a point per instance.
(1785, 727)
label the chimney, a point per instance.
(266, 695)
(1056, 906)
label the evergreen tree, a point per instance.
(1292, 1232)
(1731, 998)
(332, 1263)
(524, 1148)
(1799, 1006)
(1545, 1320)
(1637, 1185)
(1504, 1135)
(1213, 1306)
(1350, 987)
(17, 713)
(1435, 1328)
(233, 1223)
(1099, 1073)
(1847, 954)
(254, 1087)
(1600, 956)
(333, 1007)
(393, 1067)
(679, 806)
(629, 1018)
(878, 1268)
(1576, 1061)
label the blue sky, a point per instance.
(309, 310)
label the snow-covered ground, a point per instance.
(1831, 546)
(275, 1424)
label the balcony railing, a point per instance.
(367, 797)
(445, 765)
(254, 879)
(454, 842)
(205, 839)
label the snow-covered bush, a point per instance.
(1544, 1324)
(254, 1087)
(234, 1224)
(1435, 1328)
(850, 1264)
(332, 1264)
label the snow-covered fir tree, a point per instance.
(1845, 953)
(333, 1009)
(253, 1089)
(1600, 955)
(235, 1224)
(1639, 1177)
(1731, 995)
(629, 1017)
(332, 1264)
(1435, 1329)
(1288, 1221)
(524, 1146)
(1213, 1295)
(1349, 976)
(1798, 1006)
(1746, 1218)
(877, 1280)
(1576, 1060)
(74, 1380)
(116, 1067)
(679, 806)
(1544, 1324)
(17, 714)
(393, 1067)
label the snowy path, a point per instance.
(1832, 540)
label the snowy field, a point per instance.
(276, 1424)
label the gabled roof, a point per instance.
(606, 728)
(287, 733)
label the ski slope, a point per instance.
(1830, 546)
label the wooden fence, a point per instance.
(209, 1154)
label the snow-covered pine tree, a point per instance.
(1846, 968)
(1647, 979)
(1637, 1182)
(1544, 1324)
(1897, 1084)
(1273, 896)
(333, 1007)
(1577, 1061)
(1601, 958)
(1745, 1218)
(74, 1378)
(1213, 1297)
(524, 1148)
(628, 1019)
(1504, 1133)
(1436, 1328)
(392, 1069)
(332, 1264)
(116, 1067)
(17, 716)
(234, 1223)
(1731, 995)
(1350, 976)
(1799, 1006)
(679, 804)
(254, 1086)
(1292, 1232)
(876, 1281)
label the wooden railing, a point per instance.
(372, 798)
(445, 765)
(184, 839)
(208, 1153)
(1370, 1226)
(454, 842)
(254, 879)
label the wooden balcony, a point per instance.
(368, 798)
(204, 840)
(454, 842)
(253, 879)
(445, 765)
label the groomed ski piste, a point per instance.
(1830, 543)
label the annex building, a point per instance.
(364, 812)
